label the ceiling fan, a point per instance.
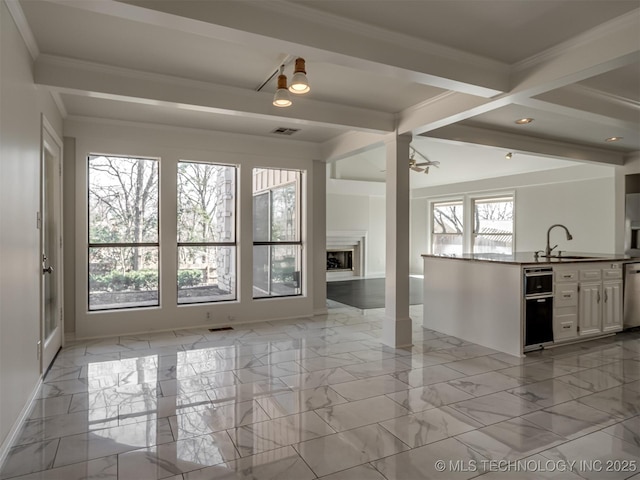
(421, 166)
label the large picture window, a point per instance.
(206, 232)
(123, 232)
(277, 246)
(447, 227)
(493, 225)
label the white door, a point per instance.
(51, 242)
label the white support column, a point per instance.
(396, 328)
(319, 232)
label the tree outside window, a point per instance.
(447, 227)
(206, 232)
(123, 232)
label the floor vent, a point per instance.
(220, 329)
(285, 131)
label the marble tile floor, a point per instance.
(323, 398)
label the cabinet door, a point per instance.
(612, 306)
(589, 310)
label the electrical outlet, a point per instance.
(230, 318)
(208, 315)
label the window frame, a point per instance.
(94, 245)
(234, 243)
(299, 242)
(446, 201)
(488, 199)
(468, 201)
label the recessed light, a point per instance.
(523, 121)
(613, 139)
(509, 156)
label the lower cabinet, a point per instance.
(589, 310)
(612, 306)
(587, 300)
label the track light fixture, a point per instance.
(509, 156)
(299, 84)
(281, 98)
(299, 81)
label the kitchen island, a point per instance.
(480, 298)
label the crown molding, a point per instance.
(23, 27)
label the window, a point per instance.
(486, 227)
(277, 247)
(493, 225)
(447, 227)
(123, 232)
(206, 232)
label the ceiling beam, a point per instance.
(526, 144)
(602, 49)
(299, 30)
(85, 78)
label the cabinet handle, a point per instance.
(598, 296)
(567, 326)
(606, 297)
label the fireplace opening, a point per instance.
(339, 260)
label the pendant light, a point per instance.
(281, 98)
(299, 81)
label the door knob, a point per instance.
(49, 269)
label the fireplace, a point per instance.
(339, 260)
(345, 254)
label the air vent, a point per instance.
(220, 329)
(285, 131)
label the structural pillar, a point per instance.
(396, 328)
(319, 232)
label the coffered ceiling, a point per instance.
(457, 73)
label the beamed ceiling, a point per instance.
(454, 74)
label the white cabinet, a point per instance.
(565, 303)
(589, 310)
(587, 300)
(612, 306)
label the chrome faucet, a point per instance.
(547, 251)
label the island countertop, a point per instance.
(529, 258)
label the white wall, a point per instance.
(362, 213)
(583, 198)
(21, 106)
(171, 145)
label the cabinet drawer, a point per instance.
(611, 274)
(566, 295)
(567, 276)
(587, 275)
(565, 326)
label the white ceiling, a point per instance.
(453, 74)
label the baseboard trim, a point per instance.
(321, 311)
(15, 429)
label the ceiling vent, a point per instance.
(285, 131)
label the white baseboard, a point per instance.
(17, 425)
